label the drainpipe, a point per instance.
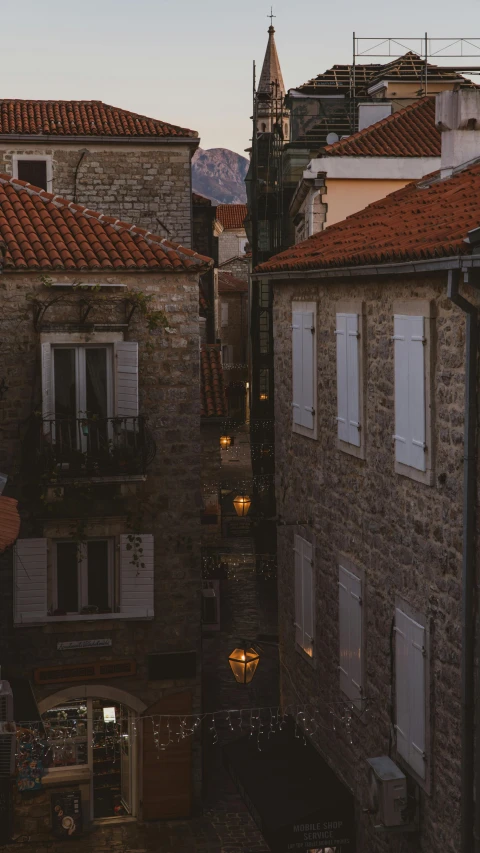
(469, 773)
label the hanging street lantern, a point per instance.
(243, 663)
(242, 504)
(226, 440)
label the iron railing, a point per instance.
(88, 447)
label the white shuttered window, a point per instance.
(304, 595)
(348, 378)
(410, 691)
(303, 355)
(136, 574)
(350, 635)
(410, 400)
(30, 581)
(126, 362)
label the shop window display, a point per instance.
(94, 733)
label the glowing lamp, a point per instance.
(264, 396)
(243, 663)
(242, 504)
(226, 441)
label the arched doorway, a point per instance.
(91, 730)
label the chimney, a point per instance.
(457, 116)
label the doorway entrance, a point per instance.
(97, 733)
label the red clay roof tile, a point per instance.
(80, 118)
(228, 283)
(213, 401)
(424, 220)
(9, 522)
(410, 132)
(42, 231)
(231, 215)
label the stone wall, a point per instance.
(229, 244)
(406, 536)
(149, 185)
(238, 266)
(167, 504)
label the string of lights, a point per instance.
(170, 729)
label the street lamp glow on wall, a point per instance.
(226, 440)
(242, 504)
(243, 663)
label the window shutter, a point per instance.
(402, 427)
(30, 581)
(402, 642)
(350, 634)
(136, 574)
(353, 382)
(224, 313)
(417, 699)
(307, 370)
(342, 377)
(297, 366)
(298, 590)
(48, 405)
(126, 362)
(308, 622)
(416, 392)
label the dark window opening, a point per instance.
(33, 171)
(67, 577)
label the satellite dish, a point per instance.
(331, 138)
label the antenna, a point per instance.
(271, 16)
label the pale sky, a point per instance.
(189, 62)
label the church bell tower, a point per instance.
(271, 91)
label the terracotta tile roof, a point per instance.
(80, 118)
(201, 200)
(337, 79)
(9, 522)
(213, 402)
(231, 215)
(228, 283)
(41, 231)
(411, 67)
(424, 220)
(410, 132)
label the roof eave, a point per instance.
(192, 141)
(462, 262)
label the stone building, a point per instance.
(376, 429)
(355, 171)
(230, 230)
(126, 165)
(100, 419)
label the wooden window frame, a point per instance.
(83, 574)
(47, 158)
(359, 573)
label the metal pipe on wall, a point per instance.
(470, 772)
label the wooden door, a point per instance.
(167, 773)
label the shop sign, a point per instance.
(321, 834)
(83, 644)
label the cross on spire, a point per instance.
(271, 16)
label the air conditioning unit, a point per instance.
(8, 743)
(388, 792)
(6, 702)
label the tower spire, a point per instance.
(271, 80)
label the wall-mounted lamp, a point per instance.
(242, 504)
(226, 440)
(243, 663)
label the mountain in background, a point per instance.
(219, 174)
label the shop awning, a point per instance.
(297, 801)
(9, 522)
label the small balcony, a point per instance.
(93, 447)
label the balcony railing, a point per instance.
(93, 447)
